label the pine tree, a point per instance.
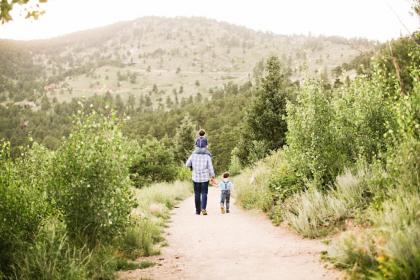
(184, 139)
(265, 117)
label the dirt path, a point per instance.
(239, 245)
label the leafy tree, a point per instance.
(7, 6)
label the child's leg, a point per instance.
(222, 198)
(222, 201)
(227, 200)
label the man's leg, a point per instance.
(204, 191)
(197, 194)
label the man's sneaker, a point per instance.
(197, 213)
(222, 209)
(204, 212)
(227, 211)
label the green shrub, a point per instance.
(404, 165)
(23, 201)
(362, 117)
(251, 189)
(313, 150)
(284, 182)
(313, 213)
(91, 182)
(183, 174)
(235, 166)
(153, 162)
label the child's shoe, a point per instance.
(204, 212)
(222, 209)
(227, 211)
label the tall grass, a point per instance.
(164, 194)
(388, 250)
(251, 186)
(150, 216)
(315, 213)
(53, 257)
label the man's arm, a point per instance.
(189, 162)
(210, 167)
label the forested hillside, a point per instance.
(162, 59)
(156, 71)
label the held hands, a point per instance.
(213, 182)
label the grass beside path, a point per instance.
(151, 217)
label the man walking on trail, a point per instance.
(202, 172)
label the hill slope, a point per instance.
(163, 57)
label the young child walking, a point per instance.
(225, 187)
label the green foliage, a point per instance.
(91, 182)
(184, 139)
(152, 162)
(315, 213)
(397, 60)
(354, 252)
(183, 174)
(235, 166)
(388, 251)
(313, 150)
(138, 240)
(23, 201)
(404, 166)
(284, 183)
(265, 119)
(251, 186)
(6, 8)
(362, 118)
(52, 257)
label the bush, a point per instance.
(91, 183)
(183, 174)
(362, 117)
(235, 166)
(284, 183)
(23, 202)
(404, 165)
(153, 162)
(313, 150)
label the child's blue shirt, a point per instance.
(225, 185)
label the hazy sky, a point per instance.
(374, 19)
